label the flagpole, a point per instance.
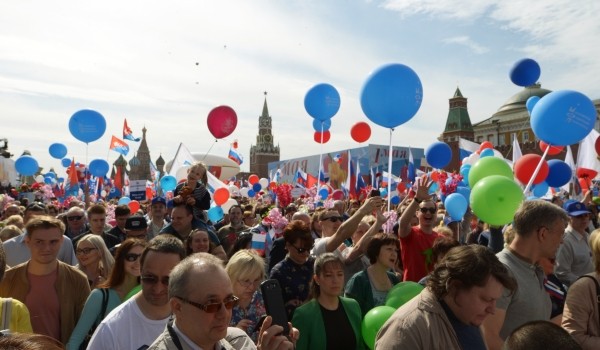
(175, 157)
(207, 152)
(320, 161)
(536, 171)
(390, 174)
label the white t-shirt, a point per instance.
(126, 328)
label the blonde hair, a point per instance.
(245, 263)
(444, 231)
(9, 232)
(15, 220)
(595, 245)
(106, 259)
(204, 178)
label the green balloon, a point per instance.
(401, 293)
(495, 199)
(372, 323)
(488, 166)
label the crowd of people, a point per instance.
(165, 277)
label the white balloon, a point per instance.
(264, 182)
(227, 205)
(497, 154)
(244, 191)
(39, 179)
(103, 193)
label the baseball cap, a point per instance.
(161, 200)
(576, 209)
(136, 223)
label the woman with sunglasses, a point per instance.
(123, 277)
(328, 321)
(246, 270)
(94, 258)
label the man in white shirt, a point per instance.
(136, 323)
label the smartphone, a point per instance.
(374, 193)
(273, 297)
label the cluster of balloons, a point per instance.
(399, 295)
(133, 205)
(322, 102)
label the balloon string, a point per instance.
(320, 162)
(537, 170)
(207, 152)
(389, 185)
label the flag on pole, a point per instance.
(234, 154)
(411, 166)
(360, 182)
(118, 180)
(119, 146)
(466, 147)
(516, 151)
(73, 179)
(586, 156)
(127, 133)
(182, 158)
(571, 163)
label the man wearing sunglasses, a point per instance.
(76, 222)
(416, 241)
(137, 322)
(202, 312)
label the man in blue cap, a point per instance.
(574, 258)
(158, 211)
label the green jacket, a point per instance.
(309, 321)
(359, 289)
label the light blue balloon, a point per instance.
(563, 117)
(317, 125)
(215, 214)
(168, 183)
(99, 167)
(540, 189)
(57, 150)
(465, 192)
(26, 165)
(531, 102)
(391, 95)
(456, 205)
(124, 201)
(434, 187)
(488, 152)
(87, 125)
(322, 101)
(323, 193)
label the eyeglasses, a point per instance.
(84, 251)
(249, 283)
(333, 219)
(424, 210)
(73, 218)
(302, 250)
(152, 280)
(213, 307)
(131, 257)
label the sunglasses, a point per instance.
(213, 307)
(425, 210)
(302, 250)
(152, 280)
(84, 251)
(333, 219)
(131, 257)
(73, 218)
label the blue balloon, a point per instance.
(525, 72)
(61, 180)
(540, 189)
(322, 102)
(465, 192)
(215, 214)
(113, 193)
(559, 173)
(434, 187)
(488, 152)
(168, 183)
(323, 193)
(317, 125)
(392, 95)
(257, 187)
(395, 200)
(48, 180)
(50, 175)
(563, 117)
(87, 125)
(251, 193)
(531, 102)
(99, 167)
(438, 154)
(124, 201)
(26, 165)
(65, 162)
(57, 150)
(456, 205)
(383, 192)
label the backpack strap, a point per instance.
(104, 302)
(6, 313)
(597, 290)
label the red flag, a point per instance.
(118, 180)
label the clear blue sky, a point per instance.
(137, 60)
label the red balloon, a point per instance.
(554, 150)
(252, 179)
(586, 173)
(221, 196)
(584, 183)
(337, 195)
(134, 206)
(484, 145)
(401, 187)
(525, 166)
(326, 136)
(221, 121)
(360, 132)
(597, 146)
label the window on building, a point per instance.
(525, 136)
(501, 139)
(479, 139)
(490, 137)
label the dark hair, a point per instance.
(96, 209)
(532, 215)
(441, 246)
(117, 274)
(2, 262)
(321, 263)
(235, 206)
(540, 335)
(297, 230)
(164, 243)
(190, 238)
(378, 241)
(188, 208)
(122, 210)
(470, 266)
(43, 222)
(240, 243)
(29, 341)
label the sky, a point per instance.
(165, 65)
